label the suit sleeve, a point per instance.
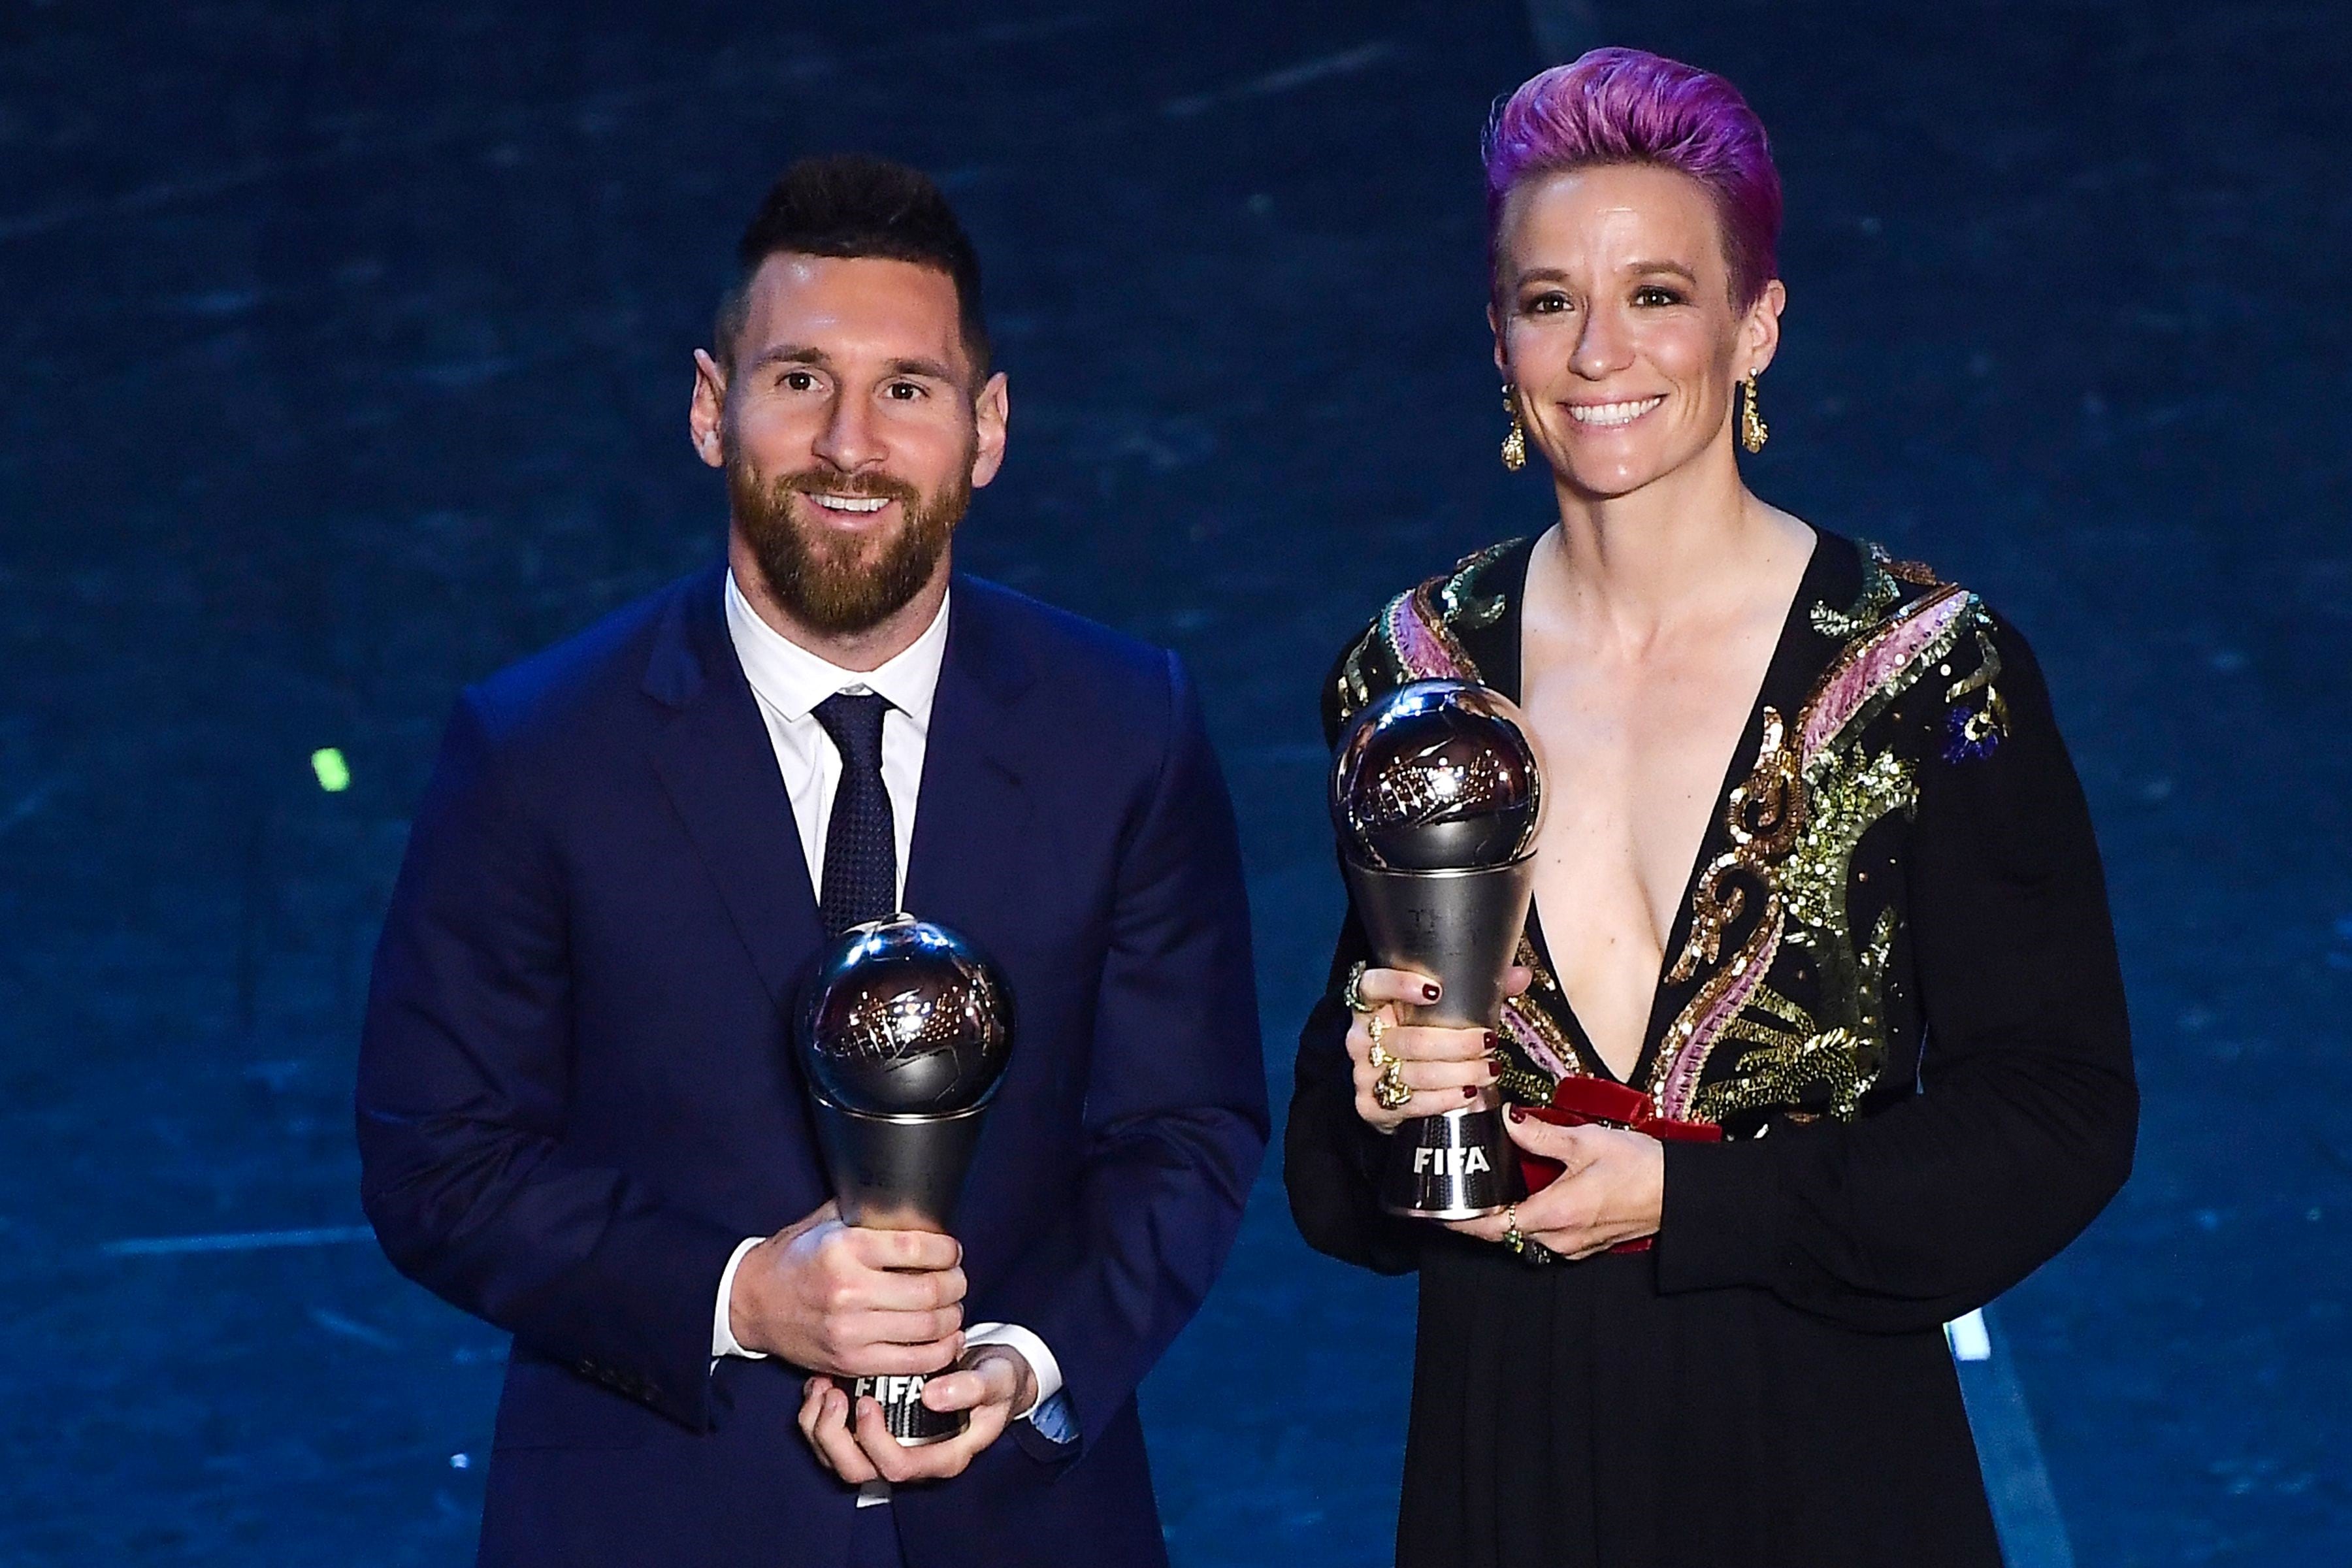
(463, 1081)
(1175, 1119)
(2024, 1125)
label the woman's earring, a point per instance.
(1514, 444)
(1753, 432)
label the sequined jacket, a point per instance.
(1894, 947)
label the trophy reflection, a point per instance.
(1436, 796)
(903, 1034)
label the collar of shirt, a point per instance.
(791, 680)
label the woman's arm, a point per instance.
(1331, 1159)
(2025, 1124)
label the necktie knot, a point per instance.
(854, 719)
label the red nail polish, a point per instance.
(1491, 1041)
(1469, 1092)
(1518, 1113)
(1429, 991)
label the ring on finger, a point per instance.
(1390, 1091)
(1352, 991)
(1513, 1238)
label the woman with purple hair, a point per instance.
(1818, 1021)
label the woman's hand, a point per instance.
(1445, 1069)
(1613, 1188)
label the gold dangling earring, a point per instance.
(1753, 432)
(1514, 444)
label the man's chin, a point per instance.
(841, 611)
(842, 592)
(834, 560)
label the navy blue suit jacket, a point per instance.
(575, 1099)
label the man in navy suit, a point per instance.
(577, 1115)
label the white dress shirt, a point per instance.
(789, 682)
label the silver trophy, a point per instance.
(1436, 796)
(903, 1034)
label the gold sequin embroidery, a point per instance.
(1797, 857)
(1763, 816)
(1795, 824)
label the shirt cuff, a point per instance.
(1042, 1364)
(722, 1327)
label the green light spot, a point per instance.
(334, 773)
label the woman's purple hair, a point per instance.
(1628, 106)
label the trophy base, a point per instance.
(914, 1423)
(1457, 1165)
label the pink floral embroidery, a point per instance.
(1419, 651)
(1525, 1036)
(1847, 688)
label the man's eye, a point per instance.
(905, 391)
(799, 380)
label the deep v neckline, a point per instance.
(1786, 648)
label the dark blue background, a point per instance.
(346, 359)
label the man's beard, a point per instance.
(842, 583)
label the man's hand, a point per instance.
(861, 1303)
(992, 1383)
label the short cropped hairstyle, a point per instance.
(1628, 106)
(850, 205)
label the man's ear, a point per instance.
(989, 412)
(707, 411)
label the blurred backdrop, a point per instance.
(346, 359)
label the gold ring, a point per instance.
(1512, 1237)
(1376, 1025)
(1352, 991)
(1390, 1091)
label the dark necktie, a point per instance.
(861, 849)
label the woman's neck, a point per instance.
(1692, 544)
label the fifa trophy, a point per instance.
(902, 1034)
(1436, 796)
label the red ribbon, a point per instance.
(1597, 1102)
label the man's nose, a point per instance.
(850, 439)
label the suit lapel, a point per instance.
(969, 858)
(716, 764)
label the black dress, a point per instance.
(1893, 984)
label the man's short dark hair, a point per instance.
(851, 205)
